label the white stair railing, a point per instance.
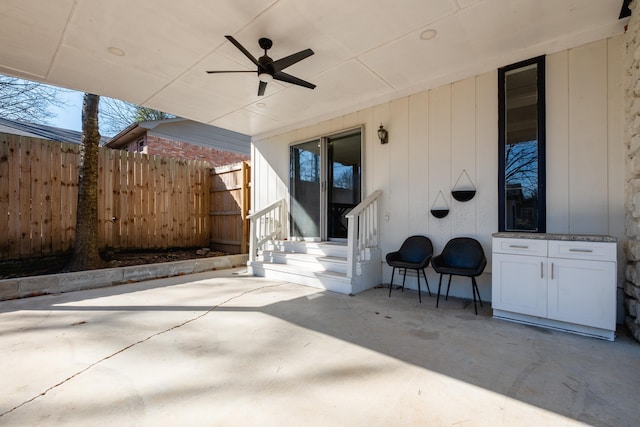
(267, 224)
(362, 231)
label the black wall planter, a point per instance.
(439, 213)
(440, 209)
(463, 195)
(463, 191)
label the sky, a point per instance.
(68, 116)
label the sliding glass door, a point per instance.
(305, 188)
(343, 182)
(325, 184)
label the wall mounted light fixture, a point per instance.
(383, 135)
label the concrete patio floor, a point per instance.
(221, 348)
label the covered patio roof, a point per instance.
(155, 53)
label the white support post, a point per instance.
(351, 245)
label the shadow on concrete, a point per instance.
(578, 377)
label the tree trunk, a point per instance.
(85, 250)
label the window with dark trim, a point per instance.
(140, 145)
(521, 174)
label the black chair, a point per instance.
(414, 254)
(462, 256)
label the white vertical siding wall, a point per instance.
(486, 158)
(439, 159)
(585, 148)
(585, 151)
(435, 135)
(418, 164)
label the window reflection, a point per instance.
(521, 151)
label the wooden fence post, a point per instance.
(246, 205)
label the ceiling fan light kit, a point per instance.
(265, 77)
(268, 69)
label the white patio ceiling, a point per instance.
(366, 52)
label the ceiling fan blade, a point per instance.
(287, 61)
(288, 78)
(261, 88)
(233, 71)
(242, 49)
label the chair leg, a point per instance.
(439, 286)
(473, 289)
(475, 286)
(448, 286)
(425, 279)
(391, 283)
(419, 291)
(404, 276)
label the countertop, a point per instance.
(552, 236)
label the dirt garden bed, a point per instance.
(10, 269)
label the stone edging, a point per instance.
(67, 282)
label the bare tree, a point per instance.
(344, 179)
(28, 101)
(116, 115)
(85, 251)
(521, 166)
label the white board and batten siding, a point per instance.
(585, 146)
(434, 135)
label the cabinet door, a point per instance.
(519, 284)
(583, 292)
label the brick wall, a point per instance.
(170, 148)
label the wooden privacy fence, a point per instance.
(152, 201)
(38, 193)
(230, 191)
(143, 201)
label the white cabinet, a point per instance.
(519, 284)
(561, 284)
(581, 292)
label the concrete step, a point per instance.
(329, 280)
(307, 261)
(318, 264)
(334, 264)
(333, 249)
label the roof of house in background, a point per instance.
(184, 130)
(33, 130)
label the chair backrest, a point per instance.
(464, 252)
(416, 249)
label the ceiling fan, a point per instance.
(268, 69)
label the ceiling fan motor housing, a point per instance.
(265, 65)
